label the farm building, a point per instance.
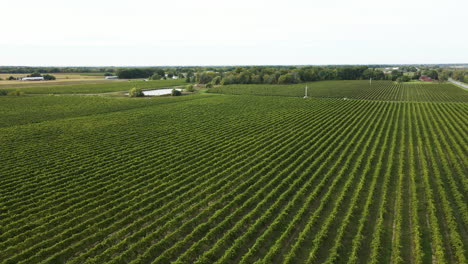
(425, 79)
(112, 77)
(32, 79)
(173, 76)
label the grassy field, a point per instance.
(219, 178)
(62, 79)
(92, 88)
(61, 76)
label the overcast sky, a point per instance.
(241, 32)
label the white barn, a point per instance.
(32, 79)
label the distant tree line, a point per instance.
(291, 75)
(268, 75)
(272, 74)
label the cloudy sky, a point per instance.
(241, 32)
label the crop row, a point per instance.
(241, 179)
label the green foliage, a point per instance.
(289, 78)
(108, 74)
(206, 77)
(48, 77)
(236, 179)
(176, 92)
(15, 93)
(189, 88)
(443, 76)
(396, 74)
(155, 77)
(35, 74)
(134, 73)
(431, 73)
(403, 78)
(416, 76)
(136, 92)
(11, 78)
(216, 80)
(3, 92)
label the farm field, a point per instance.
(379, 90)
(60, 75)
(61, 79)
(105, 86)
(236, 175)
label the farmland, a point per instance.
(379, 90)
(242, 174)
(105, 86)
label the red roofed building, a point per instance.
(425, 79)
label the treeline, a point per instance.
(292, 75)
(456, 74)
(274, 74)
(269, 75)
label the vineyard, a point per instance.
(377, 90)
(214, 178)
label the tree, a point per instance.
(431, 73)
(161, 72)
(48, 77)
(256, 79)
(288, 78)
(155, 76)
(403, 78)
(396, 74)
(216, 80)
(107, 74)
(176, 92)
(189, 88)
(367, 74)
(11, 78)
(443, 76)
(35, 74)
(378, 75)
(269, 79)
(134, 73)
(136, 92)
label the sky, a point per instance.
(241, 32)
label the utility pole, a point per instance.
(305, 92)
(370, 81)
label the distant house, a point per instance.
(112, 77)
(425, 78)
(175, 77)
(32, 79)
